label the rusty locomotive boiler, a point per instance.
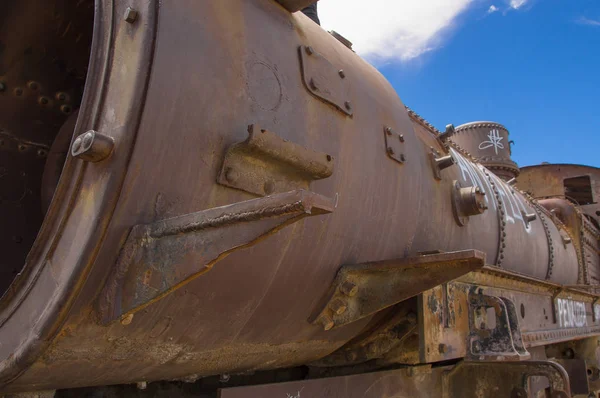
(200, 188)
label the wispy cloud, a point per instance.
(587, 21)
(493, 9)
(384, 30)
(516, 4)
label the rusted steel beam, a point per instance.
(295, 5)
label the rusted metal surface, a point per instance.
(495, 336)
(172, 138)
(324, 80)
(505, 379)
(467, 202)
(362, 290)
(265, 164)
(162, 257)
(394, 383)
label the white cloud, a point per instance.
(399, 29)
(587, 21)
(516, 4)
(493, 9)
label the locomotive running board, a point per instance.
(161, 257)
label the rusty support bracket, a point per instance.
(498, 336)
(161, 257)
(362, 290)
(266, 163)
(394, 144)
(504, 379)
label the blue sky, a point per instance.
(530, 65)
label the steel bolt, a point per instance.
(349, 289)
(126, 320)
(77, 144)
(326, 322)
(231, 175)
(338, 306)
(66, 109)
(390, 151)
(351, 356)
(310, 50)
(33, 85)
(142, 385)
(313, 85)
(18, 91)
(402, 158)
(87, 139)
(130, 15)
(388, 130)
(348, 105)
(61, 96)
(401, 137)
(342, 73)
(43, 101)
(224, 378)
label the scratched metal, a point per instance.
(175, 88)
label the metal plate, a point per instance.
(323, 80)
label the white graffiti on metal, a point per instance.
(571, 313)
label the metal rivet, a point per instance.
(33, 85)
(18, 91)
(87, 139)
(388, 130)
(401, 137)
(326, 322)
(348, 105)
(390, 151)
(43, 101)
(342, 73)
(402, 157)
(142, 385)
(338, 306)
(66, 109)
(130, 15)
(61, 96)
(309, 50)
(77, 144)
(349, 289)
(313, 84)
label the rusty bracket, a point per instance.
(439, 163)
(266, 163)
(161, 257)
(394, 144)
(494, 335)
(323, 80)
(504, 379)
(362, 290)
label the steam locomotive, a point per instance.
(220, 198)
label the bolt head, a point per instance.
(349, 289)
(309, 50)
(126, 320)
(130, 15)
(401, 137)
(87, 139)
(77, 144)
(338, 306)
(342, 73)
(348, 105)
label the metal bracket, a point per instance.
(362, 290)
(266, 163)
(161, 257)
(504, 379)
(394, 144)
(323, 80)
(498, 336)
(439, 163)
